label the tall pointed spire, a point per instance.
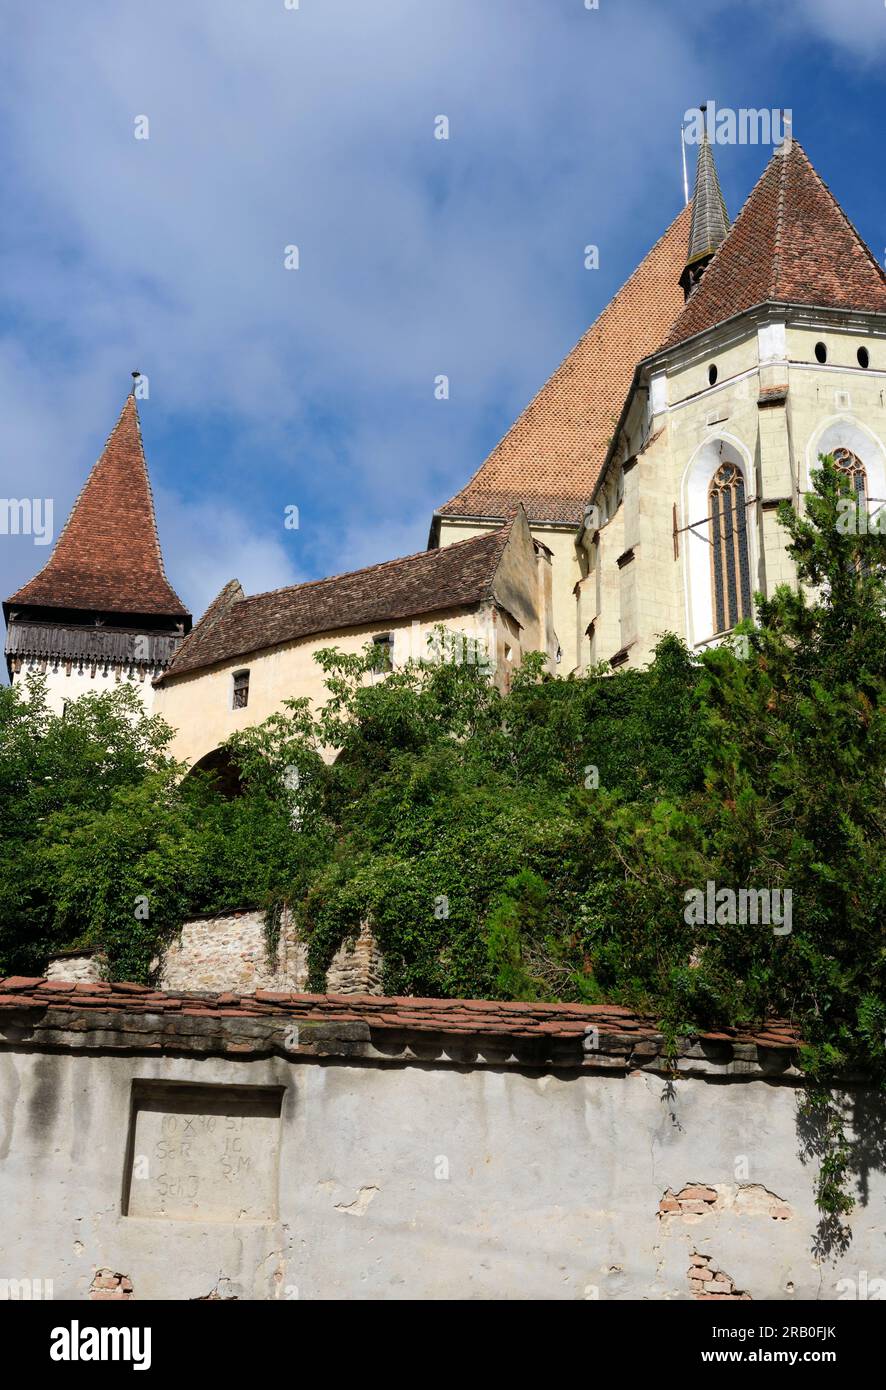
(791, 243)
(107, 559)
(710, 220)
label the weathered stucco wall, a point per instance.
(198, 704)
(407, 1180)
(565, 574)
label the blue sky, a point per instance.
(314, 126)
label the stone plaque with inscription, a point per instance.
(203, 1153)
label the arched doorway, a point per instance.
(224, 773)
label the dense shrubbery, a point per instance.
(538, 845)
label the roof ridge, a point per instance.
(454, 577)
(214, 613)
(380, 565)
(144, 463)
(783, 153)
(544, 1019)
(86, 481)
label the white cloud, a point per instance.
(857, 26)
(213, 541)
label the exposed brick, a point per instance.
(720, 1286)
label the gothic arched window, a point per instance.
(851, 467)
(730, 565)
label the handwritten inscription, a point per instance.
(204, 1153)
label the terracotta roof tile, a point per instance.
(107, 559)
(791, 243)
(431, 581)
(550, 458)
(466, 1016)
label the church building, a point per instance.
(653, 461)
(636, 495)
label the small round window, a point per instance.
(821, 352)
(864, 357)
(712, 374)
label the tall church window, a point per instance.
(851, 467)
(730, 564)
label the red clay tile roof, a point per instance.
(107, 559)
(433, 580)
(550, 458)
(791, 243)
(205, 1020)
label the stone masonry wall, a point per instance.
(357, 968)
(82, 969)
(229, 952)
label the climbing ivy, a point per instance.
(538, 844)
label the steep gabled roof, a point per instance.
(107, 559)
(550, 458)
(791, 243)
(457, 576)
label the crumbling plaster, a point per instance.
(422, 1180)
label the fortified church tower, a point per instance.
(101, 610)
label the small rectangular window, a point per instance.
(383, 651)
(241, 689)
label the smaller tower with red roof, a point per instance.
(102, 609)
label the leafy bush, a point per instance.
(538, 845)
